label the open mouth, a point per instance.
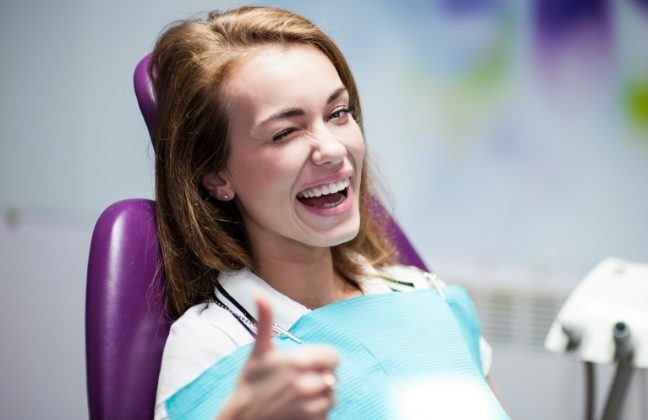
(325, 196)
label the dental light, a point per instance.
(605, 320)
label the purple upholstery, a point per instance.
(146, 95)
(407, 255)
(126, 322)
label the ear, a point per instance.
(217, 187)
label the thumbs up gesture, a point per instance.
(281, 384)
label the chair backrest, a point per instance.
(126, 320)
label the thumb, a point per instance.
(263, 342)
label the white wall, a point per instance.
(42, 294)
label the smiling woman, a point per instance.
(290, 136)
(259, 114)
(263, 193)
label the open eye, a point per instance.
(282, 134)
(339, 113)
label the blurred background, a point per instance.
(511, 136)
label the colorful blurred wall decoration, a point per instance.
(511, 132)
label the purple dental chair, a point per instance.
(126, 320)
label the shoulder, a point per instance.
(196, 340)
(402, 277)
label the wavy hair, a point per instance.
(200, 236)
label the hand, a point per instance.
(274, 384)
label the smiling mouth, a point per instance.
(326, 196)
(325, 201)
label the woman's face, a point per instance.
(296, 152)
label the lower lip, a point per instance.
(341, 208)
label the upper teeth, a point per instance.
(331, 188)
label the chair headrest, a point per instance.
(145, 93)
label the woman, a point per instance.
(263, 191)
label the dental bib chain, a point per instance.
(252, 327)
(250, 324)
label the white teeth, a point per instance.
(331, 188)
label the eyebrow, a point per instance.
(297, 112)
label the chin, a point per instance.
(337, 235)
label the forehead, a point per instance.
(280, 76)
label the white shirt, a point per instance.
(205, 333)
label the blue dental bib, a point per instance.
(405, 355)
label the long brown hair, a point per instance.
(200, 236)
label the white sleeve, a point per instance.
(193, 345)
(486, 354)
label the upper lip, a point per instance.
(336, 177)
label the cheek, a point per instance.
(359, 148)
(355, 144)
(268, 173)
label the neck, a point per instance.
(303, 273)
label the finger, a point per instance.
(330, 381)
(313, 384)
(319, 358)
(318, 407)
(263, 342)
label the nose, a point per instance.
(328, 149)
